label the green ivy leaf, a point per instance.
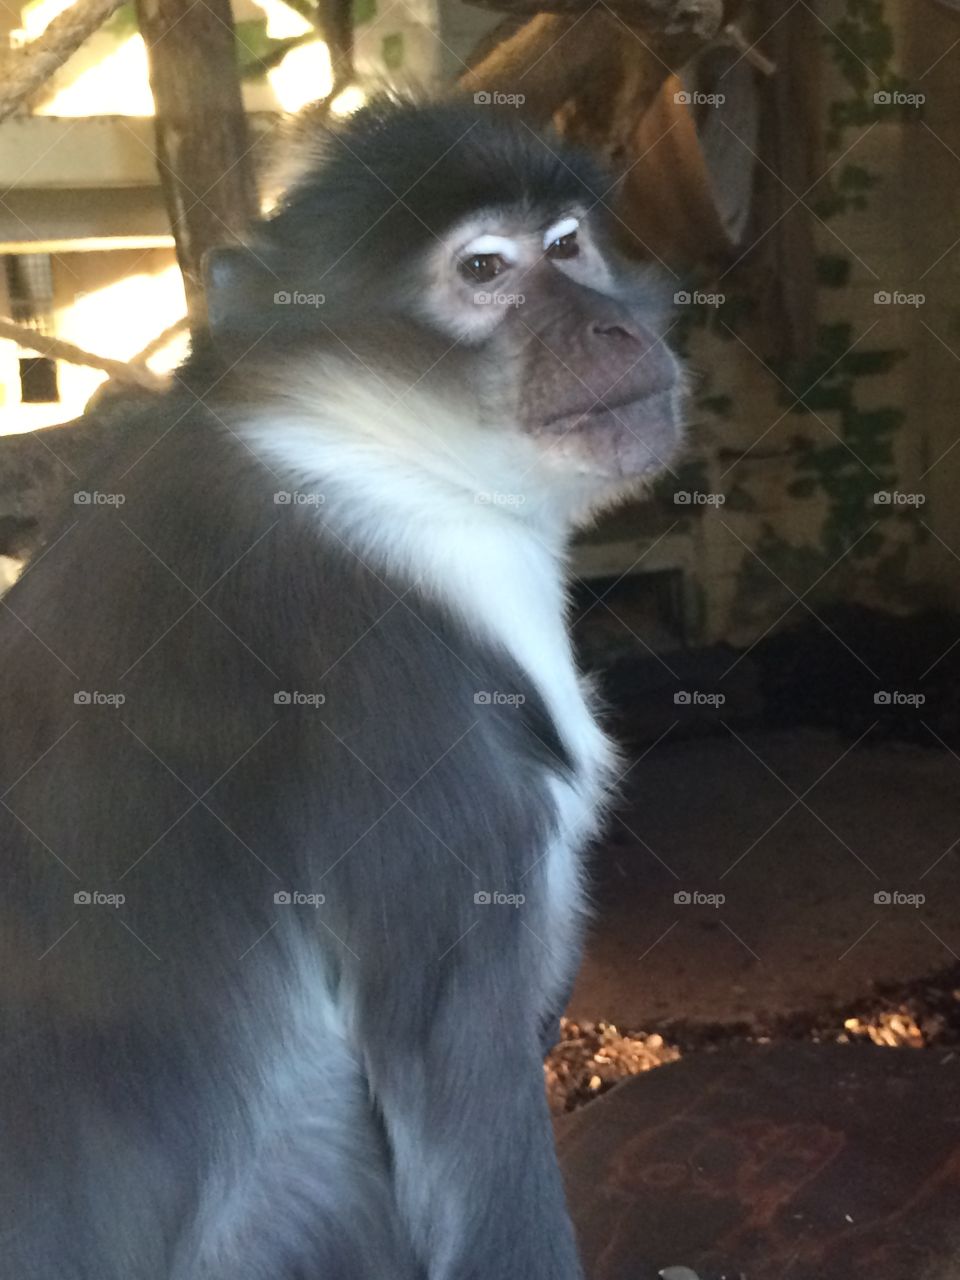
(122, 24)
(854, 177)
(879, 421)
(823, 398)
(833, 271)
(865, 364)
(392, 51)
(870, 545)
(740, 499)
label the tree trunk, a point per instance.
(201, 131)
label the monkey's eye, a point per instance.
(485, 257)
(565, 247)
(482, 267)
(560, 240)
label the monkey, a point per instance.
(298, 770)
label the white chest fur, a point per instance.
(468, 515)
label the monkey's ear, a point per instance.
(241, 292)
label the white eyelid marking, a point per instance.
(481, 246)
(565, 227)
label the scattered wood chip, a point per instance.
(590, 1057)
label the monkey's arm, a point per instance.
(463, 1102)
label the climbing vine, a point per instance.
(850, 467)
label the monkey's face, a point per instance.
(445, 251)
(564, 337)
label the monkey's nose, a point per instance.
(597, 330)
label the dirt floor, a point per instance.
(802, 1014)
(755, 876)
(775, 955)
(829, 871)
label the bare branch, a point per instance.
(27, 69)
(160, 341)
(599, 63)
(131, 375)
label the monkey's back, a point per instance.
(229, 743)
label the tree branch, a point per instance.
(27, 69)
(31, 340)
(601, 65)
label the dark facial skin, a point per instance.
(600, 389)
(575, 357)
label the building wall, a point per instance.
(855, 500)
(109, 303)
(929, 190)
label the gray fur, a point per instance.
(203, 1082)
(141, 1042)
